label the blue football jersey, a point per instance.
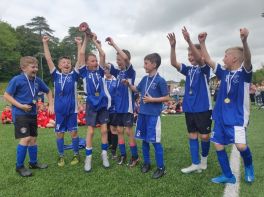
(197, 96)
(65, 92)
(124, 100)
(95, 87)
(232, 103)
(25, 92)
(154, 86)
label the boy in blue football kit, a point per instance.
(22, 93)
(124, 103)
(110, 81)
(153, 90)
(231, 111)
(65, 96)
(98, 101)
(196, 103)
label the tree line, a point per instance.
(26, 40)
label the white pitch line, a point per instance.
(232, 190)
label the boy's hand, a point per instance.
(172, 39)
(244, 34)
(125, 82)
(110, 41)
(202, 37)
(26, 107)
(78, 40)
(51, 109)
(147, 99)
(45, 38)
(186, 34)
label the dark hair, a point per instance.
(88, 55)
(154, 58)
(64, 57)
(197, 46)
(127, 53)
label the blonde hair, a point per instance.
(238, 53)
(27, 60)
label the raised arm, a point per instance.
(51, 102)
(172, 39)
(98, 45)
(202, 37)
(47, 54)
(118, 50)
(78, 41)
(81, 56)
(247, 55)
(196, 54)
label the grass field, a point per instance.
(120, 180)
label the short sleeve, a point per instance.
(12, 86)
(163, 87)
(183, 69)
(218, 71)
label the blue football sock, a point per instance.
(33, 154)
(194, 149)
(75, 145)
(159, 155)
(134, 152)
(145, 151)
(60, 146)
(247, 157)
(224, 163)
(104, 147)
(21, 155)
(205, 148)
(88, 151)
(122, 148)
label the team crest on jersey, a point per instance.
(69, 79)
(23, 130)
(153, 85)
(36, 86)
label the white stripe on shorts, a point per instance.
(158, 130)
(240, 135)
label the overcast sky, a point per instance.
(141, 26)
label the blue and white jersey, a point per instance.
(124, 100)
(95, 87)
(65, 92)
(22, 90)
(197, 96)
(155, 86)
(111, 87)
(234, 86)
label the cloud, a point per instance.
(142, 26)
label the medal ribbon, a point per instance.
(33, 91)
(229, 82)
(63, 82)
(192, 75)
(95, 85)
(147, 88)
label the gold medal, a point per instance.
(227, 100)
(190, 92)
(34, 101)
(96, 93)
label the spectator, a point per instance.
(6, 115)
